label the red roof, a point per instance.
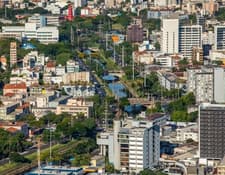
(12, 130)
(9, 94)
(15, 86)
(50, 64)
(25, 105)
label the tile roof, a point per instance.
(15, 86)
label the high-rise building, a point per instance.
(207, 84)
(189, 36)
(201, 21)
(170, 35)
(13, 53)
(200, 82)
(132, 146)
(219, 85)
(219, 38)
(211, 131)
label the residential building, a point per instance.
(19, 88)
(164, 60)
(211, 131)
(219, 39)
(132, 146)
(76, 76)
(187, 132)
(15, 127)
(13, 54)
(47, 34)
(189, 36)
(169, 80)
(144, 57)
(6, 110)
(221, 167)
(72, 66)
(197, 55)
(170, 34)
(75, 106)
(135, 33)
(219, 85)
(207, 83)
(201, 20)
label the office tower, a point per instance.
(132, 146)
(211, 131)
(197, 55)
(170, 34)
(135, 33)
(13, 54)
(201, 21)
(189, 37)
(219, 85)
(219, 38)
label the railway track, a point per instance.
(20, 169)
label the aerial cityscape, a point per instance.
(107, 87)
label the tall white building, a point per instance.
(219, 39)
(47, 34)
(189, 36)
(170, 35)
(132, 146)
(219, 85)
(207, 83)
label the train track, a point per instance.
(22, 168)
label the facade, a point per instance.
(219, 32)
(219, 85)
(135, 33)
(79, 3)
(170, 35)
(42, 21)
(189, 37)
(13, 53)
(188, 132)
(131, 148)
(169, 80)
(207, 83)
(197, 54)
(75, 106)
(211, 131)
(201, 21)
(47, 34)
(204, 87)
(19, 88)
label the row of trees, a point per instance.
(12, 143)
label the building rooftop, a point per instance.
(15, 86)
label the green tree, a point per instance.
(16, 157)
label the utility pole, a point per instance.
(106, 115)
(106, 41)
(114, 52)
(133, 65)
(71, 36)
(39, 154)
(123, 56)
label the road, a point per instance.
(94, 80)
